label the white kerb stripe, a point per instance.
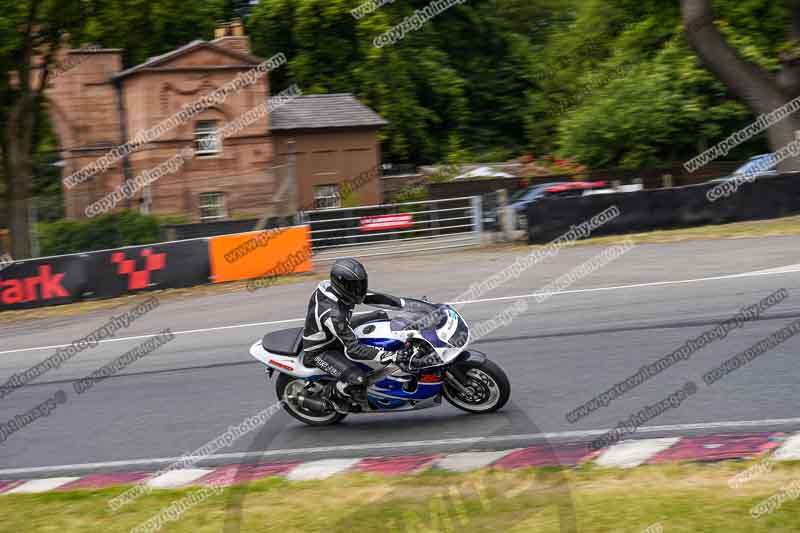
(41, 485)
(177, 478)
(321, 469)
(468, 461)
(632, 453)
(789, 450)
(373, 447)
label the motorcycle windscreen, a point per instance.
(440, 325)
(418, 315)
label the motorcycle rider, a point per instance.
(329, 341)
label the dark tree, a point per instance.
(761, 90)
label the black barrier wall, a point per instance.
(41, 282)
(157, 266)
(771, 197)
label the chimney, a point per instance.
(231, 36)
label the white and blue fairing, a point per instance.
(443, 331)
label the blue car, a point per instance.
(758, 164)
(520, 200)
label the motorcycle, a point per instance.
(438, 365)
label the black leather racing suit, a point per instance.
(329, 341)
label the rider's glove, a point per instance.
(396, 357)
(386, 358)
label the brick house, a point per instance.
(293, 156)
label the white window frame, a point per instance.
(213, 200)
(205, 130)
(329, 200)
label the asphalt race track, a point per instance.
(559, 354)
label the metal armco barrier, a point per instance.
(42, 282)
(395, 228)
(768, 197)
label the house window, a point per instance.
(212, 206)
(327, 196)
(206, 139)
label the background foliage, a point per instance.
(600, 82)
(106, 231)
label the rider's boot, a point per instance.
(346, 395)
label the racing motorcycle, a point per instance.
(438, 365)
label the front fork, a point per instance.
(456, 374)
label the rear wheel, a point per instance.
(289, 389)
(486, 390)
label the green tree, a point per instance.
(639, 95)
(454, 87)
(146, 28)
(30, 34)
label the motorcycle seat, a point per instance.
(284, 342)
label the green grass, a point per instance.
(682, 498)
(738, 230)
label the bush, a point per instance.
(112, 230)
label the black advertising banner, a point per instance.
(156, 266)
(41, 282)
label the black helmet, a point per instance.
(349, 281)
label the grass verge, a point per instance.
(779, 227)
(679, 498)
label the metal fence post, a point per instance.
(505, 219)
(434, 216)
(477, 218)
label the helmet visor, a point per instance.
(355, 289)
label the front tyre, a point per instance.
(487, 388)
(288, 388)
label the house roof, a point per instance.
(246, 59)
(342, 110)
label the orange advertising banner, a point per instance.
(268, 253)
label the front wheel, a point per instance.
(289, 388)
(486, 390)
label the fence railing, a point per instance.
(395, 228)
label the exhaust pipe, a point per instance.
(312, 403)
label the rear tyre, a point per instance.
(487, 388)
(287, 389)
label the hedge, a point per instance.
(112, 230)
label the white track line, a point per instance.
(224, 457)
(772, 272)
(150, 335)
